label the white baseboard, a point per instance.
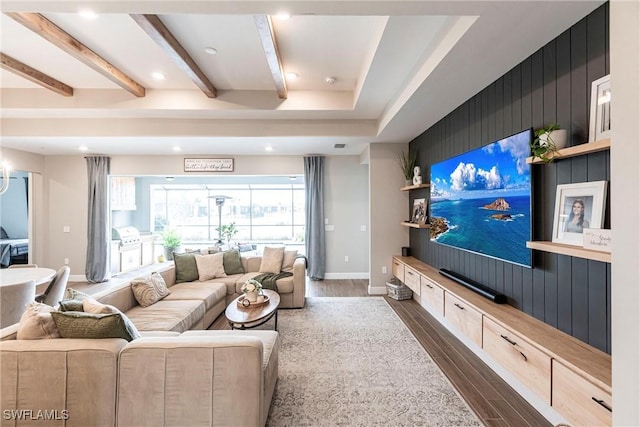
(336, 276)
(377, 290)
(77, 278)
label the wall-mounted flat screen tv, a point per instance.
(481, 200)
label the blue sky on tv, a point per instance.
(495, 170)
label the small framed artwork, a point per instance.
(578, 207)
(419, 211)
(600, 115)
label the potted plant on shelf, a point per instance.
(171, 241)
(407, 161)
(547, 141)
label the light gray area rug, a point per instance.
(353, 362)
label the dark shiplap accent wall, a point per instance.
(552, 85)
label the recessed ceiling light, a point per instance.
(88, 14)
(292, 76)
(211, 50)
(268, 148)
(330, 80)
(177, 148)
(83, 148)
(283, 16)
(158, 75)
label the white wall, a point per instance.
(625, 211)
(388, 207)
(346, 194)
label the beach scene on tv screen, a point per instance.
(481, 200)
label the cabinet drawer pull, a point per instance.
(523, 356)
(409, 273)
(458, 305)
(428, 286)
(601, 403)
(509, 341)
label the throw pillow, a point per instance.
(149, 290)
(89, 305)
(186, 267)
(76, 324)
(232, 262)
(71, 293)
(71, 305)
(288, 260)
(210, 266)
(37, 323)
(271, 260)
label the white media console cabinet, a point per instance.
(570, 376)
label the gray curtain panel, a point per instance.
(314, 231)
(98, 236)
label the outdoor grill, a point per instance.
(129, 249)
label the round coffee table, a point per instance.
(240, 317)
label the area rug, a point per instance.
(353, 362)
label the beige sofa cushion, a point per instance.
(288, 260)
(210, 266)
(210, 292)
(230, 282)
(37, 323)
(271, 260)
(174, 315)
(149, 290)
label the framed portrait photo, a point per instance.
(600, 114)
(578, 206)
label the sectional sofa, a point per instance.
(176, 374)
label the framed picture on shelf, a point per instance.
(419, 215)
(578, 206)
(600, 115)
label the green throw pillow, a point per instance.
(232, 262)
(186, 267)
(77, 324)
(71, 305)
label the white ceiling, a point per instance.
(399, 66)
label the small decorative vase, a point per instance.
(558, 136)
(251, 296)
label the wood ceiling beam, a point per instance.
(268, 39)
(65, 41)
(23, 70)
(163, 37)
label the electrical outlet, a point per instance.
(66, 229)
(384, 269)
(346, 258)
(329, 227)
(363, 228)
(66, 261)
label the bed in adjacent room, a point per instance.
(12, 251)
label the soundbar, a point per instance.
(486, 292)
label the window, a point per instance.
(266, 213)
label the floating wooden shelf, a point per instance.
(414, 225)
(414, 187)
(578, 150)
(576, 251)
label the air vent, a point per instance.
(339, 145)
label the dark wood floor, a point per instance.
(493, 400)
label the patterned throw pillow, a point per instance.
(149, 290)
(232, 262)
(77, 324)
(71, 293)
(210, 266)
(271, 260)
(71, 305)
(186, 267)
(37, 323)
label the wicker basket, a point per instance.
(398, 291)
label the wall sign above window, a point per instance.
(208, 165)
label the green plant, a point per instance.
(252, 285)
(407, 161)
(171, 239)
(228, 231)
(543, 147)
